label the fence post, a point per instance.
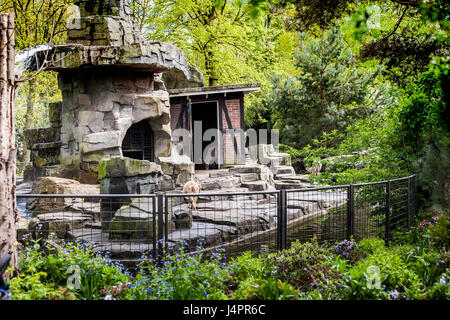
(388, 213)
(350, 210)
(166, 222)
(415, 198)
(408, 205)
(281, 220)
(160, 225)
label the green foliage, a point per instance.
(304, 266)
(440, 232)
(265, 289)
(432, 232)
(245, 266)
(296, 155)
(422, 110)
(395, 279)
(181, 277)
(371, 245)
(61, 262)
(328, 92)
(32, 285)
(427, 264)
(229, 41)
(441, 288)
(321, 148)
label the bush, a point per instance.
(265, 289)
(32, 286)
(426, 263)
(63, 262)
(305, 266)
(350, 251)
(431, 232)
(441, 288)
(371, 245)
(440, 232)
(245, 266)
(382, 275)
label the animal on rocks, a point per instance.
(192, 186)
(315, 170)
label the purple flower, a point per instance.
(394, 294)
(442, 281)
(345, 248)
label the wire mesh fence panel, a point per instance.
(369, 211)
(399, 206)
(318, 212)
(129, 226)
(124, 227)
(235, 222)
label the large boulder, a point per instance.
(180, 168)
(122, 175)
(55, 185)
(137, 220)
(58, 223)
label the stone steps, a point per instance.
(283, 170)
(289, 177)
(282, 185)
(247, 177)
(255, 185)
(246, 169)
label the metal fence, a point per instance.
(129, 226)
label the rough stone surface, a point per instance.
(54, 185)
(116, 167)
(58, 223)
(180, 168)
(110, 79)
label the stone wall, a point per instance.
(111, 78)
(99, 107)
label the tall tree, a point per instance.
(36, 22)
(328, 93)
(205, 29)
(8, 209)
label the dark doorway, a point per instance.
(139, 142)
(207, 114)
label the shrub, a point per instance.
(371, 245)
(440, 232)
(265, 289)
(441, 288)
(245, 266)
(426, 263)
(350, 251)
(382, 275)
(305, 266)
(30, 286)
(63, 261)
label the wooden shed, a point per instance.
(217, 107)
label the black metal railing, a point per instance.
(130, 225)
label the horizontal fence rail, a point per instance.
(129, 226)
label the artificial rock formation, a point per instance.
(110, 79)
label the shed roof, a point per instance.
(185, 92)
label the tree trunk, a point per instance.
(8, 209)
(28, 120)
(210, 68)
